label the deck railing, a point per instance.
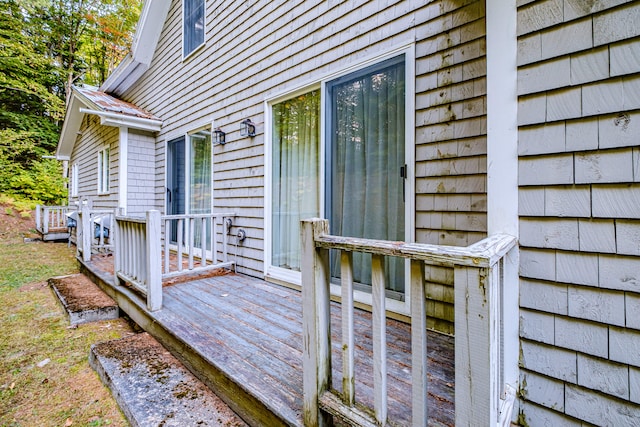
(478, 273)
(51, 218)
(141, 248)
(196, 237)
(95, 231)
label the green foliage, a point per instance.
(23, 172)
(45, 47)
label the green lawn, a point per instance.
(45, 378)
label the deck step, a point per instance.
(153, 388)
(82, 300)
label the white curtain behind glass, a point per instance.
(367, 152)
(200, 178)
(296, 136)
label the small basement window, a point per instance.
(192, 25)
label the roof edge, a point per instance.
(70, 127)
(152, 18)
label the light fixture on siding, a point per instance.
(247, 128)
(219, 137)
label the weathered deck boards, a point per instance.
(251, 330)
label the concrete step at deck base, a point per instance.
(82, 300)
(153, 388)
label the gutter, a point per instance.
(118, 120)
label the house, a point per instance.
(436, 122)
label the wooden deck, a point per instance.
(243, 337)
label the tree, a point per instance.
(45, 47)
(29, 110)
(111, 32)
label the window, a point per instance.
(341, 152)
(193, 25)
(103, 170)
(74, 180)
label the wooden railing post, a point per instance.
(87, 233)
(476, 402)
(418, 345)
(39, 218)
(45, 221)
(315, 321)
(154, 261)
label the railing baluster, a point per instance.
(192, 223)
(180, 245)
(131, 251)
(203, 243)
(143, 240)
(167, 239)
(348, 375)
(134, 269)
(101, 230)
(214, 241)
(379, 338)
(225, 238)
(418, 345)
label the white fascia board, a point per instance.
(152, 19)
(70, 128)
(120, 120)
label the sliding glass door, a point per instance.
(366, 162)
(353, 173)
(189, 162)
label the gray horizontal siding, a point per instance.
(286, 44)
(93, 138)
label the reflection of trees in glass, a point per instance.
(296, 136)
(200, 185)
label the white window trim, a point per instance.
(293, 278)
(187, 56)
(75, 181)
(104, 176)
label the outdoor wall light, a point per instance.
(219, 137)
(247, 128)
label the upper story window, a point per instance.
(103, 170)
(192, 25)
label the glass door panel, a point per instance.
(296, 171)
(200, 182)
(175, 182)
(365, 161)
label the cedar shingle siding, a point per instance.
(579, 96)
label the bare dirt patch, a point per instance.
(80, 293)
(16, 225)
